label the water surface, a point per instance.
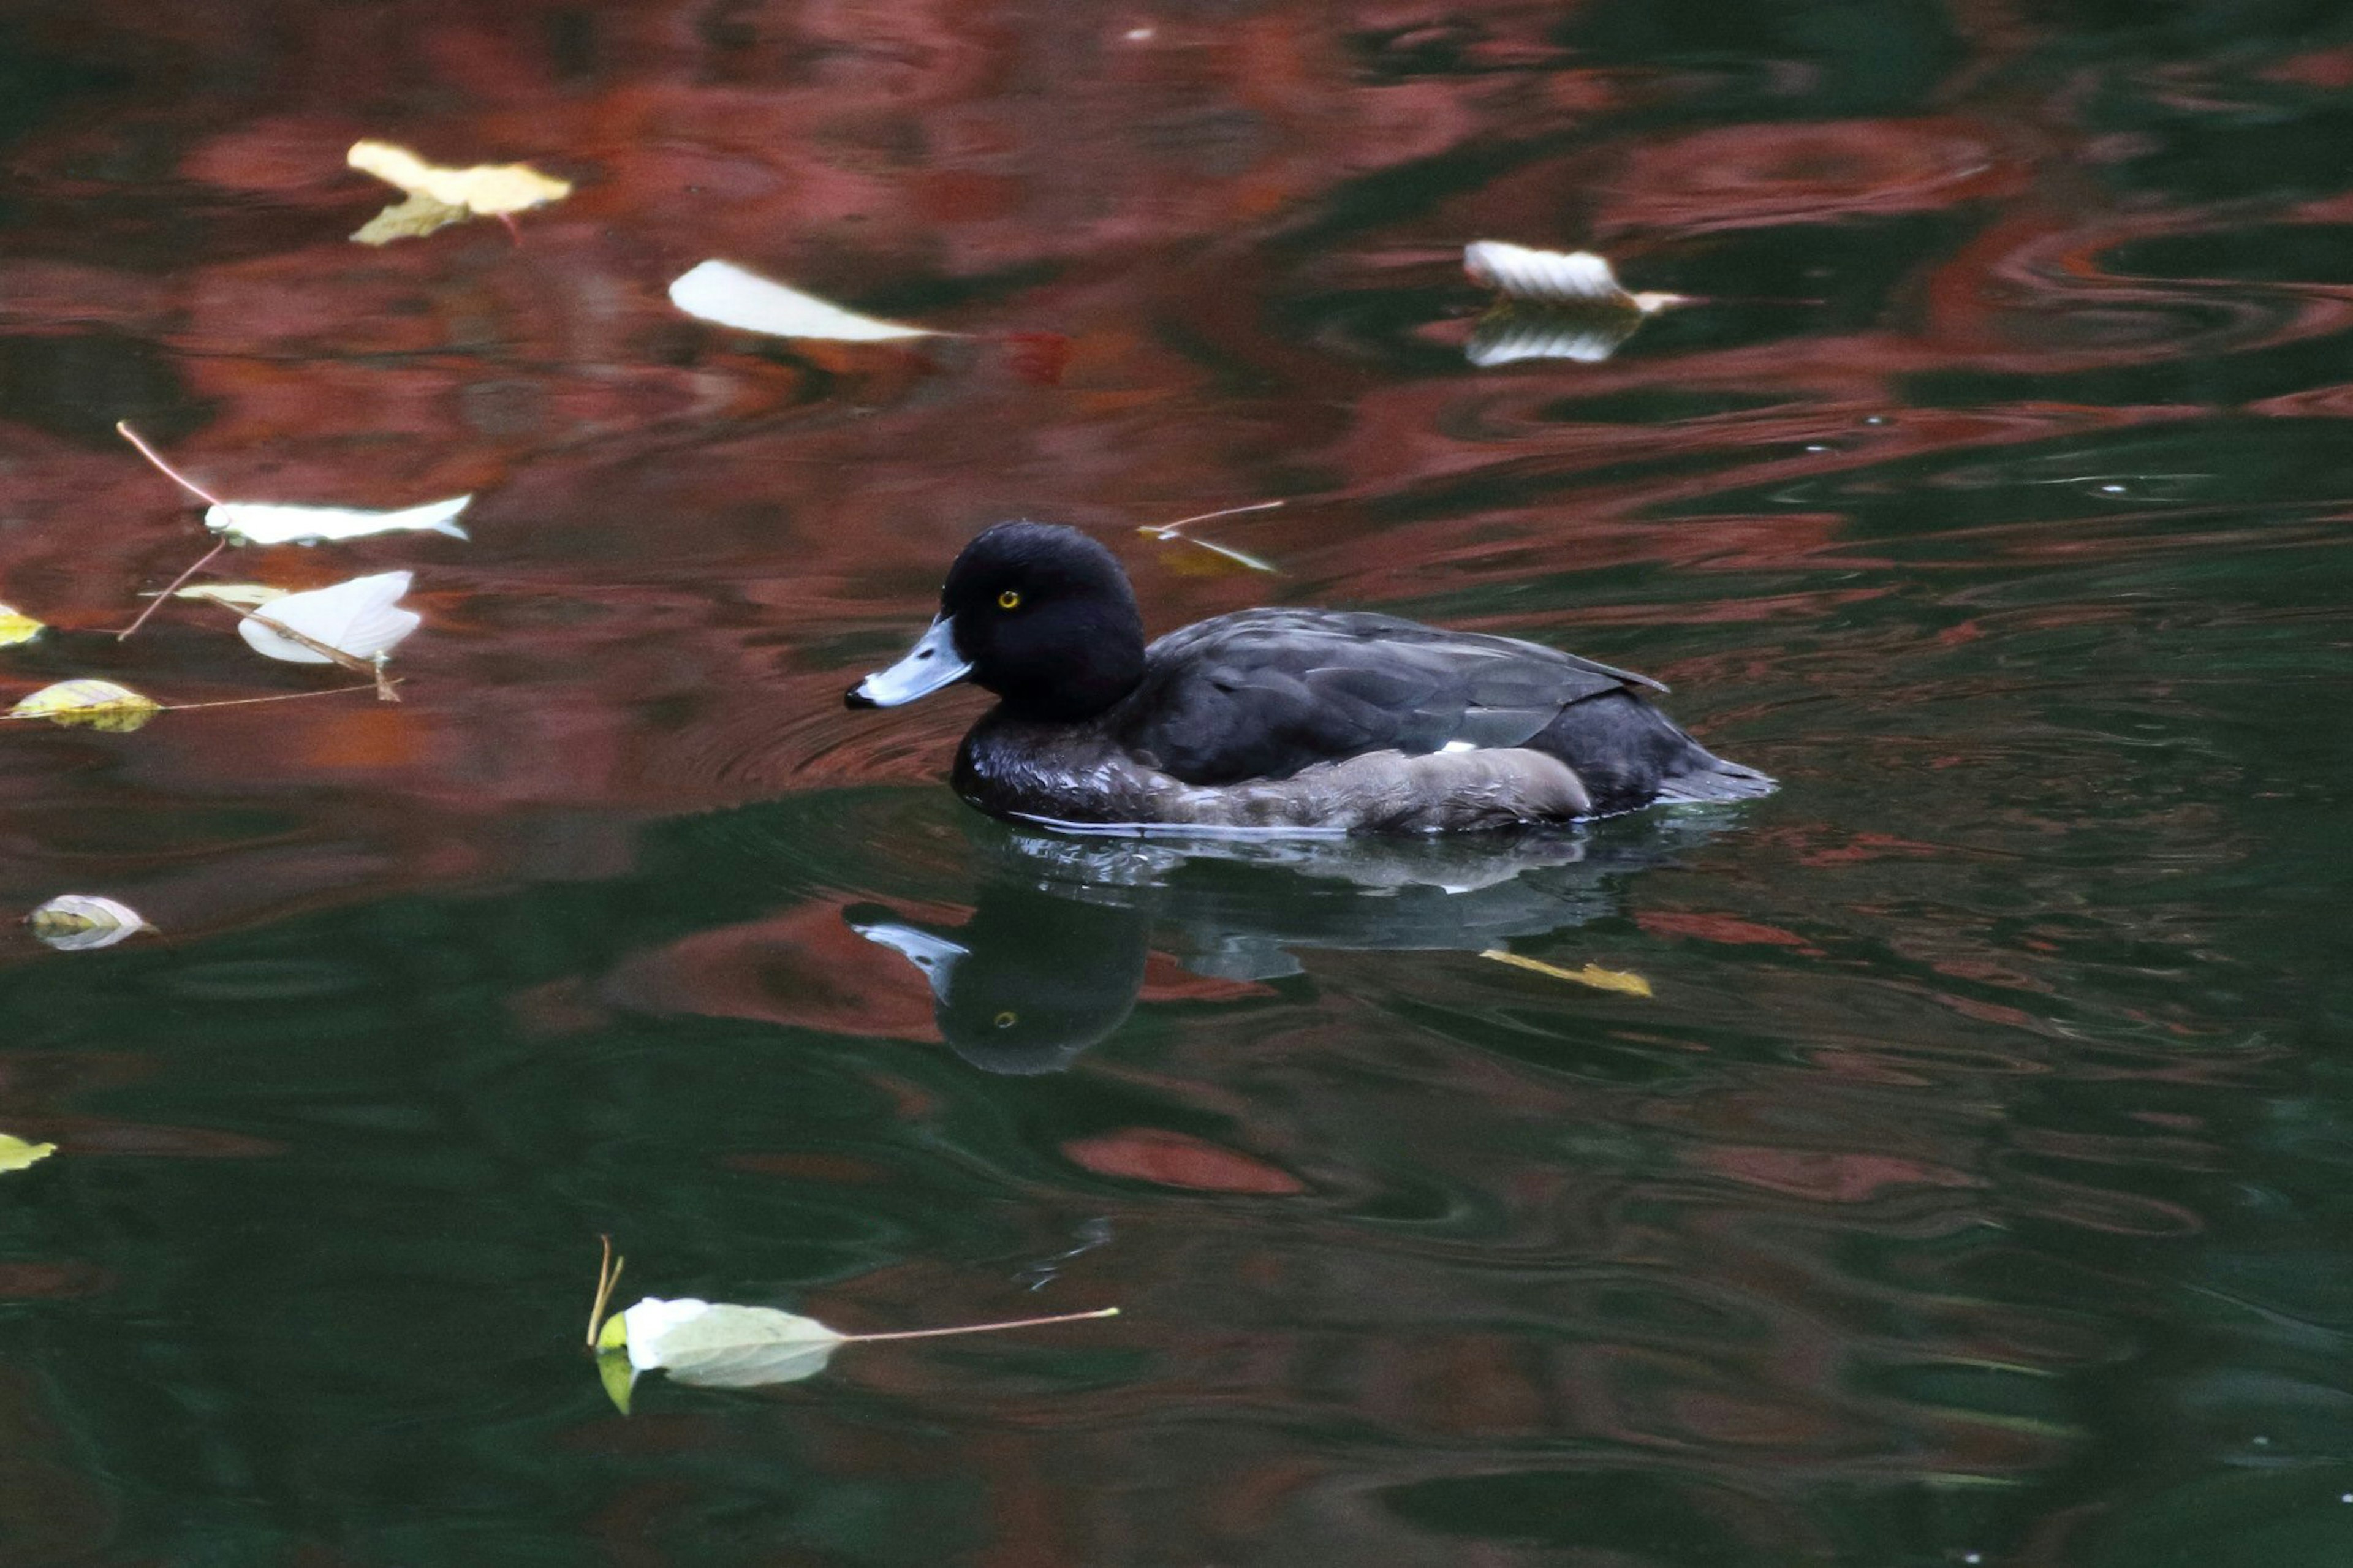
(1967, 1188)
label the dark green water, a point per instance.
(1969, 1186)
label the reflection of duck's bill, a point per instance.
(936, 956)
(931, 664)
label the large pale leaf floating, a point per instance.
(90, 704)
(724, 293)
(16, 626)
(15, 1153)
(233, 596)
(1554, 305)
(77, 923)
(717, 1346)
(361, 618)
(439, 196)
(711, 1344)
(265, 522)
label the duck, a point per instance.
(1275, 721)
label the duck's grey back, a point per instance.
(1264, 694)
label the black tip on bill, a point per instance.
(856, 698)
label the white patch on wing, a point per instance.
(1459, 746)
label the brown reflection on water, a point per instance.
(1912, 511)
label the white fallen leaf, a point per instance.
(724, 293)
(1560, 277)
(263, 523)
(716, 1345)
(235, 596)
(15, 1153)
(439, 195)
(89, 704)
(720, 1346)
(76, 922)
(16, 626)
(362, 617)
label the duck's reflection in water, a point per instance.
(1054, 957)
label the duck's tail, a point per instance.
(1710, 777)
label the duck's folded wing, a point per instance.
(1265, 693)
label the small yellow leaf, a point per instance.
(15, 1153)
(100, 704)
(1623, 981)
(16, 626)
(439, 196)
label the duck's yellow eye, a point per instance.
(1008, 1018)
(1009, 600)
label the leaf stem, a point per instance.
(608, 1273)
(157, 602)
(1168, 530)
(982, 1328)
(122, 428)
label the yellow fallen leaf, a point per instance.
(1623, 981)
(16, 626)
(439, 195)
(15, 1153)
(100, 704)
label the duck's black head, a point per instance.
(1040, 614)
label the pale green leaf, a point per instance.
(76, 922)
(15, 1153)
(99, 704)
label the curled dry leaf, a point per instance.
(76, 922)
(362, 618)
(724, 293)
(439, 196)
(264, 522)
(1556, 305)
(1625, 982)
(92, 704)
(15, 1153)
(1555, 277)
(16, 626)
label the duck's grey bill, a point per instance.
(931, 664)
(936, 956)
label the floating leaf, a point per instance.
(361, 618)
(1556, 305)
(233, 596)
(16, 626)
(724, 293)
(439, 196)
(716, 1345)
(77, 923)
(263, 523)
(15, 1153)
(1555, 277)
(97, 704)
(1622, 981)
